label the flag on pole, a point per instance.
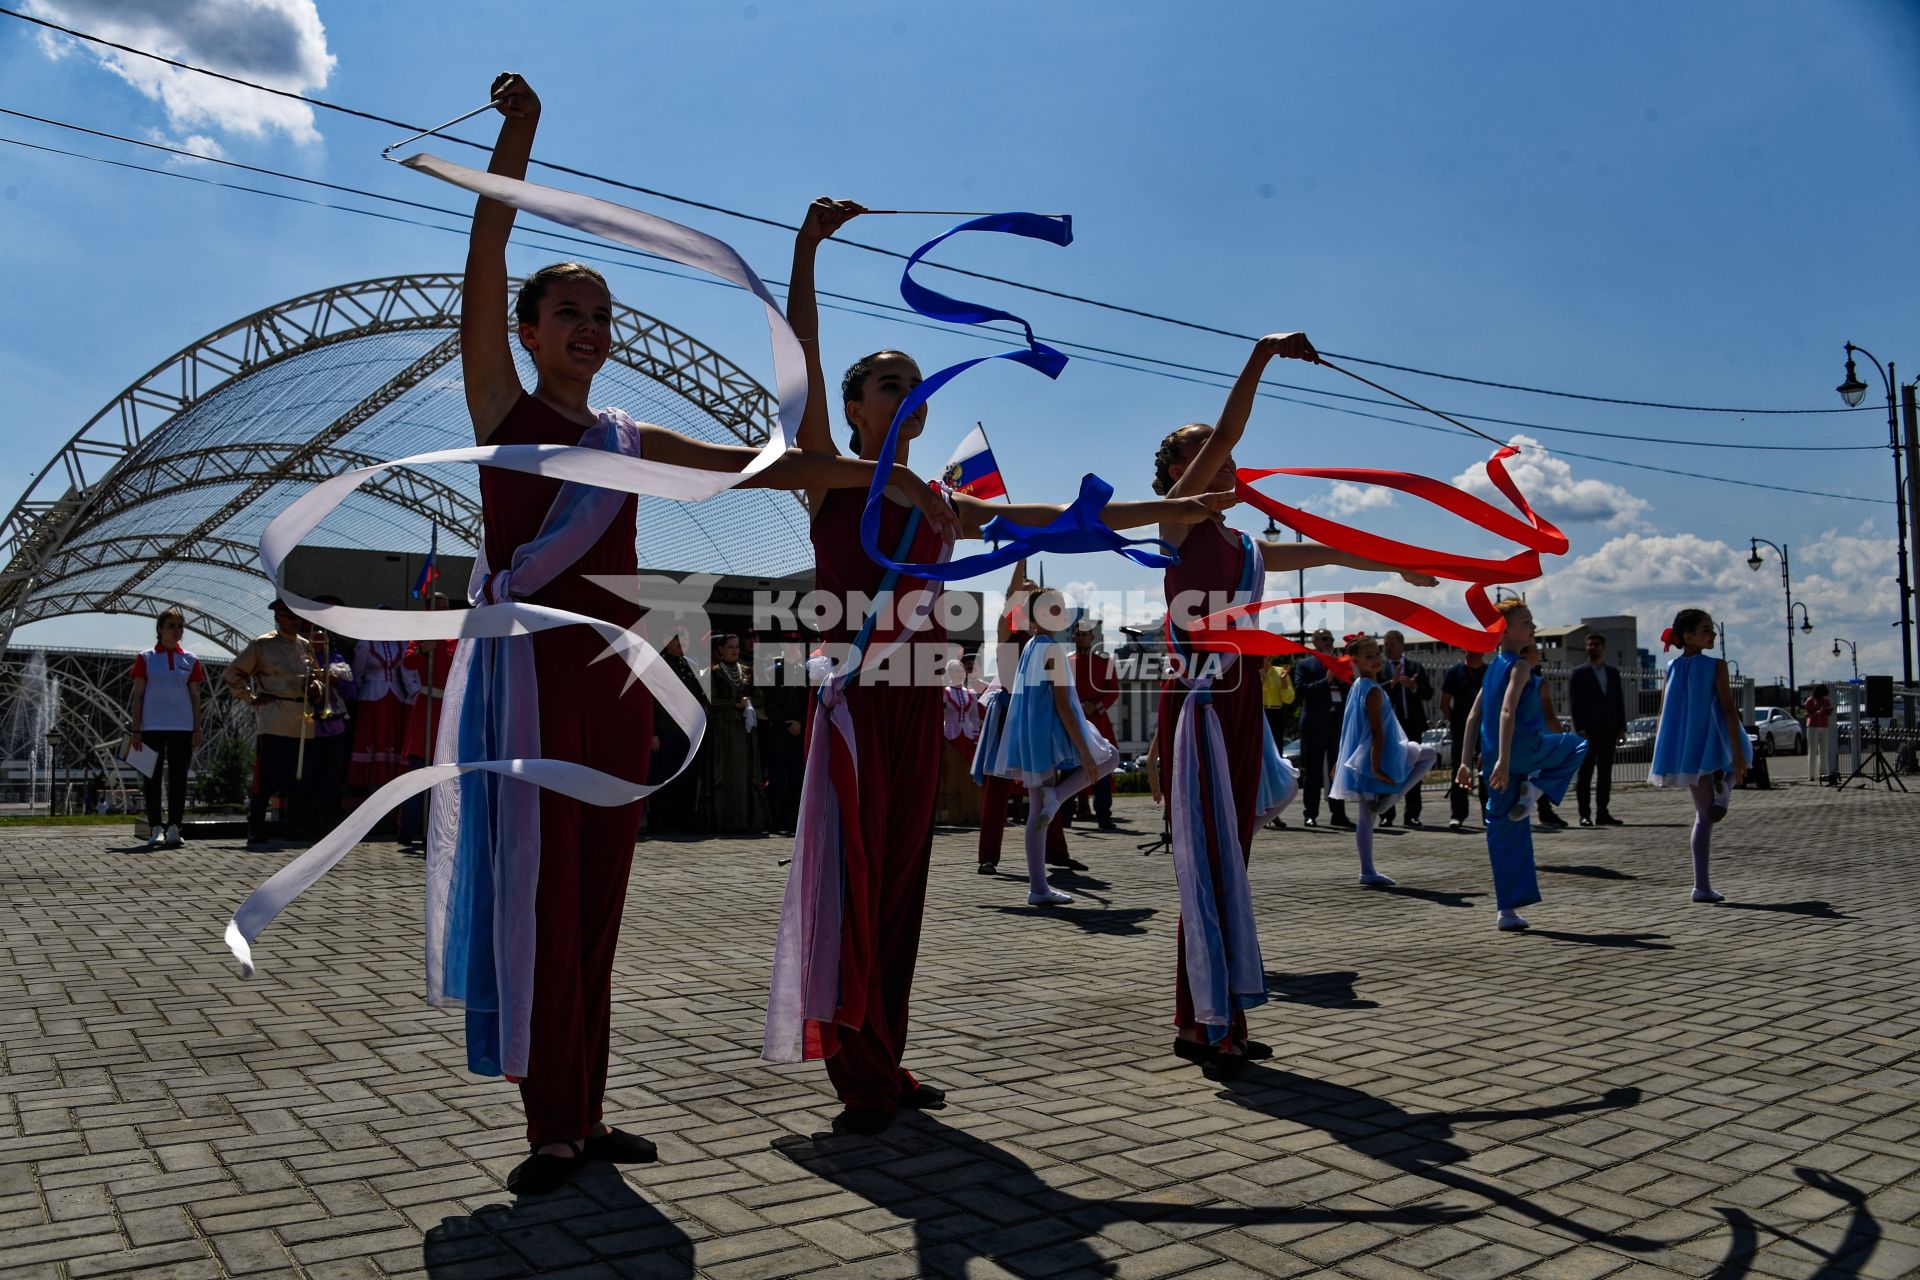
(431, 569)
(972, 470)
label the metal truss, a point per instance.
(96, 688)
(114, 463)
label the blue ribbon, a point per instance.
(1078, 529)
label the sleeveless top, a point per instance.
(1208, 575)
(514, 504)
(842, 568)
(1529, 722)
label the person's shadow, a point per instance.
(970, 1202)
(1331, 990)
(1438, 897)
(1117, 921)
(1844, 1262)
(1629, 941)
(596, 1218)
(1418, 1143)
(1590, 872)
(1814, 910)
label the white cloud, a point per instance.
(1549, 484)
(275, 42)
(1845, 580)
(1346, 499)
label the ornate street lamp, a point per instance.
(1754, 562)
(1853, 391)
(1854, 649)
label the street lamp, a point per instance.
(1853, 391)
(1786, 582)
(1855, 649)
(1511, 595)
(1272, 534)
(1806, 619)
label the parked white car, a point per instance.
(1775, 729)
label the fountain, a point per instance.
(34, 710)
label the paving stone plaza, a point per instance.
(1639, 1087)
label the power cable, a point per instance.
(597, 244)
(890, 253)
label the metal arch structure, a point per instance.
(117, 461)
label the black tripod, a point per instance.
(1874, 769)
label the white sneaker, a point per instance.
(156, 840)
(1511, 922)
(1454, 824)
(173, 836)
(1707, 895)
(1050, 898)
(1375, 878)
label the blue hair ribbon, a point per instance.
(1075, 531)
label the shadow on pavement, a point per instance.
(1813, 910)
(1120, 921)
(1592, 873)
(596, 1217)
(989, 1205)
(1332, 990)
(1631, 941)
(1846, 1261)
(1419, 1143)
(1438, 897)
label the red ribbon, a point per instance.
(1529, 530)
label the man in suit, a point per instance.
(1408, 690)
(1458, 689)
(1600, 716)
(1321, 698)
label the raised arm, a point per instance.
(1286, 557)
(824, 217)
(486, 356)
(799, 469)
(1232, 423)
(975, 514)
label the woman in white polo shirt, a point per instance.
(166, 716)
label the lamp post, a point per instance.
(1511, 595)
(1854, 649)
(1852, 390)
(1806, 619)
(1786, 583)
(1272, 534)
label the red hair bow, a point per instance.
(1666, 640)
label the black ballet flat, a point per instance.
(989, 869)
(1255, 1050)
(864, 1121)
(539, 1174)
(1192, 1050)
(924, 1097)
(1224, 1066)
(619, 1147)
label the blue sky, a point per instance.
(1692, 203)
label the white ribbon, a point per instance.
(594, 467)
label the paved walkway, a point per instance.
(1639, 1087)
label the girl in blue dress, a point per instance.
(1377, 765)
(1507, 738)
(1045, 742)
(1701, 744)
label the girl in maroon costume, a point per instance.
(1198, 459)
(564, 321)
(896, 723)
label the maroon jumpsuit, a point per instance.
(1210, 564)
(588, 715)
(897, 736)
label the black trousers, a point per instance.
(1457, 795)
(1319, 739)
(175, 749)
(1599, 758)
(274, 761)
(785, 768)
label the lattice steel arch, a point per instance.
(80, 481)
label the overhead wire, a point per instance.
(984, 336)
(598, 244)
(1082, 299)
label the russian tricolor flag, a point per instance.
(971, 470)
(431, 569)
